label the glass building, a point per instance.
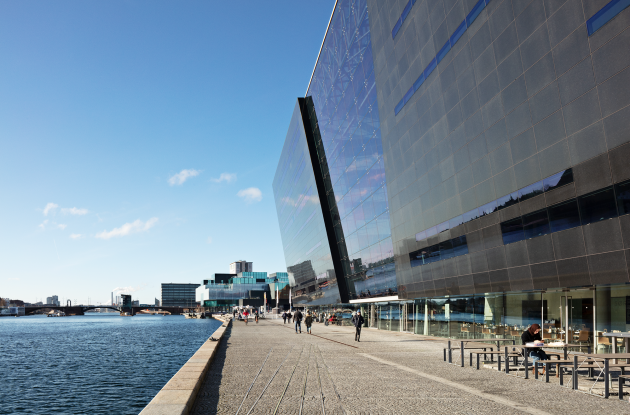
(178, 295)
(469, 163)
(245, 288)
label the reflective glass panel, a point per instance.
(456, 221)
(512, 231)
(558, 180)
(442, 53)
(406, 10)
(421, 235)
(475, 12)
(536, 224)
(446, 250)
(431, 231)
(605, 14)
(530, 191)
(597, 206)
(507, 201)
(460, 247)
(419, 82)
(458, 33)
(488, 208)
(564, 216)
(470, 215)
(431, 254)
(622, 191)
(442, 227)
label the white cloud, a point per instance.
(76, 236)
(209, 241)
(182, 176)
(74, 211)
(128, 228)
(62, 226)
(225, 177)
(250, 195)
(49, 207)
(43, 224)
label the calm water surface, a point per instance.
(92, 364)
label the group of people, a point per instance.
(297, 316)
(530, 335)
(245, 315)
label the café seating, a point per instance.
(604, 342)
(584, 336)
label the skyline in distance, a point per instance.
(140, 140)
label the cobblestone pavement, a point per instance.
(385, 373)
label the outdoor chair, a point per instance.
(584, 336)
(604, 342)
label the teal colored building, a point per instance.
(244, 288)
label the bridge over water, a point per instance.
(79, 310)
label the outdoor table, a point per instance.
(463, 342)
(626, 340)
(606, 357)
(563, 346)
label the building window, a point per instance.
(512, 231)
(536, 224)
(622, 191)
(597, 206)
(564, 216)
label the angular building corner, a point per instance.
(468, 170)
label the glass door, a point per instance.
(394, 310)
(406, 317)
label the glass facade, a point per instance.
(245, 285)
(471, 158)
(178, 295)
(343, 112)
(304, 237)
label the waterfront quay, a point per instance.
(266, 368)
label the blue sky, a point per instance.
(139, 139)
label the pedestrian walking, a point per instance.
(357, 320)
(284, 317)
(309, 322)
(297, 318)
(245, 315)
(256, 317)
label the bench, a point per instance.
(485, 353)
(558, 363)
(622, 379)
(450, 351)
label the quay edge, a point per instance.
(178, 395)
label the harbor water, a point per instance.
(92, 364)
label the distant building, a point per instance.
(178, 295)
(135, 303)
(241, 266)
(54, 300)
(157, 302)
(244, 288)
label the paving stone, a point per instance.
(304, 370)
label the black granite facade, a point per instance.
(523, 94)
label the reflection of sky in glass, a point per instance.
(557, 180)
(344, 96)
(304, 239)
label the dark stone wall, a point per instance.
(523, 94)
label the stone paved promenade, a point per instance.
(385, 373)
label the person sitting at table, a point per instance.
(529, 336)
